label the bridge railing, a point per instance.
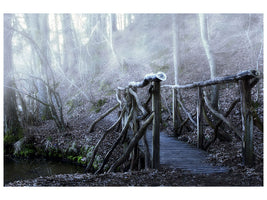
(134, 117)
(128, 96)
(247, 80)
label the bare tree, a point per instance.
(11, 124)
(176, 64)
(69, 45)
(38, 28)
(114, 22)
(213, 70)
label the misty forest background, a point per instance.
(62, 66)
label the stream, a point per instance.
(16, 169)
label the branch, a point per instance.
(88, 167)
(101, 117)
(256, 120)
(122, 134)
(36, 99)
(187, 113)
(132, 144)
(143, 110)
(219, 115)
(219, 80)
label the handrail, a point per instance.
(219, 80)
(160, 76)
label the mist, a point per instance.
(62, 71)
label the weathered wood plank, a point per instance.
(219, 80)
(156, 106)
(200, 137)
(247, 122)
(181, 155)
(160, 76)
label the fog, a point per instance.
(59, 58)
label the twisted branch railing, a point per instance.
(132, 114)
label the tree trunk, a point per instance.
(11, 122)
(114, 22)
(44, 30)
(210, 57)
(39, 30)
(175, 110)
(69, 47)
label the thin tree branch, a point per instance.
(101, 117)
(219, 115)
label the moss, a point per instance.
(80, 160)
(26, 152)
(69, 157)
(49, 138)
(97, 162)
(11, 138)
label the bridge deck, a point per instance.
(178, 154)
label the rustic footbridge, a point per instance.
(146, 148)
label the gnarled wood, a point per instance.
(200, 137)
(101, 117)
(219, 115)
(247, 123)
(88, 167)
(122, 134)
(186, 112)
(156, 109)
(219, 80)
(132, 144)
(139, 105)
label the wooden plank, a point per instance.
(156, 125)
(247, 123)
(181, 155)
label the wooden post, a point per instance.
(175, 116)
(247, 123)
(156, 125)
(200, 119)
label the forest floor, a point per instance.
(220, 153)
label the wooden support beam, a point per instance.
(156, 124)
(175, 117)
(247, 123)
(200, 137)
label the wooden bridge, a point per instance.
(181, 155)
(157, 149)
